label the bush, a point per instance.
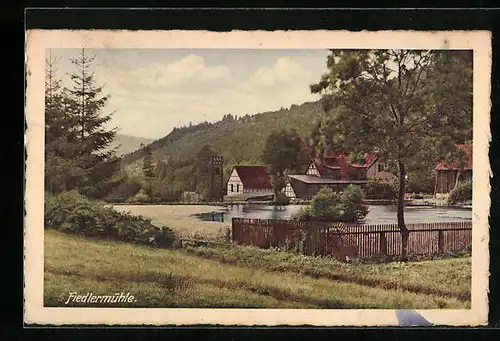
(380, 189)
(304, 214)
(420, 182)
(127, 189)
(325, 205)
(328, 205)
(351, 204)
(74, 213)
(461, 193)
(141, 196)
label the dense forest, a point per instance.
(239, 140)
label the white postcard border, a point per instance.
(37, 41)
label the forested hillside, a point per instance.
(240, 140)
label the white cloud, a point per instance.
(284, 70)
(152, 99)
(190, 69)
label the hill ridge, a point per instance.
(240, 140)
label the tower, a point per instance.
(217, 187)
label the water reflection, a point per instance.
(378, 214)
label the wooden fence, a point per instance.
(344, 240)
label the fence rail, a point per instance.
(344, 240)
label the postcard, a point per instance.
(257, 178)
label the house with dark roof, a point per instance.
(305, 186)
(448, 173)
(336, 172)
(248, 180)
(337, 166)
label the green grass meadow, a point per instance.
(244, 277)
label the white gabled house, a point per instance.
(249, 179)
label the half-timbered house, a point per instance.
(249, 179)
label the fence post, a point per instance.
(441, 241)
(383, 244)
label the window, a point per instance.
(382, 167)
(237, 188)
(232, 188)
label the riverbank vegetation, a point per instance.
(462, 193)
(328, 205)
(71, 212)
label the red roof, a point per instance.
(342, 160)
(323, 169)
(338, 160)
(445, 165)
(369, 159)
(254, 176)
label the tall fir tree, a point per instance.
(87, 103)
(148, 169)
(61, 145)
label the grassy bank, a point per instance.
(444, 277)
(173, 278)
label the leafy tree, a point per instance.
(284, 150)
(86, 104)
(409, 106)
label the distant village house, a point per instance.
(335, 172)
(448, 173)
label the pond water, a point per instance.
(378, 214)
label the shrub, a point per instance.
(126, 189)
(325, 205)
(141, 196)
(304, 214)
(351, 204)
(380, 189)
(328, 205)
(74, 213)
(461, 193)
(420, 182)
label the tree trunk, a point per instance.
(276, 186)
(401, 219)
(457, 179)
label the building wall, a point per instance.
(234, 184)
(357, 173)
(379, 171)
(328, 173)
(446, 179)
(288, 190)
(312, 170)
(257, 189)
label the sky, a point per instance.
(153, 91)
